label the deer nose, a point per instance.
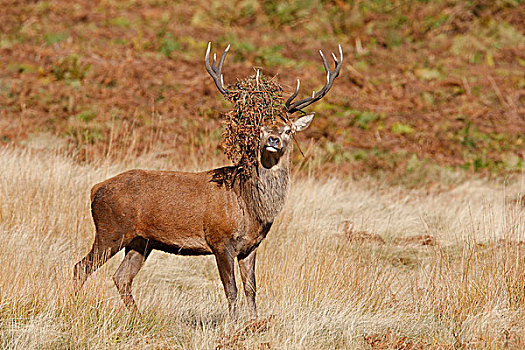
(273, 141)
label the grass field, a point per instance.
(346, 265)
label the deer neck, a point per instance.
(265, 192)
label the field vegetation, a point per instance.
(405, 223)
(346, 265)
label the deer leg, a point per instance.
(128, 269)
(109, 240)
(247, 269)
(226, 271)
(90, 263)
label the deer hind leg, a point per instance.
(109, 240)
(91, 262)
(136, 254)
(225, 264)
(247, 269)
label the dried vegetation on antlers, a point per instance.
(257, 101)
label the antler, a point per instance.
(330, 77)
(215, 72)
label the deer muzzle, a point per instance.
(273, 144)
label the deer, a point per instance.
(197, 213)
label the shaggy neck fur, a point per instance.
(265, 192)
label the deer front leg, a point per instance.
(126, 272)
(226, 271)
(247, 269)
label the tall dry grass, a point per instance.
(340, 269)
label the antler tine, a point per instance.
(215, 72)
(290, 99)
(223, 57)
(326, 65)
(330, 77)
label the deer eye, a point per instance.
(288, 131)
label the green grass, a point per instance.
(54, 38)
(85, 116)
(70, 68)
(402, 129)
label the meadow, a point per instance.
(405, 223)
(348, 264)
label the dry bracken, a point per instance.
(257, 101)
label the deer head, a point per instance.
(274, 138)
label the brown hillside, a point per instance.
(423, 82)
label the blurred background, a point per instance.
(426, 85)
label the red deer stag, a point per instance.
(193, 214)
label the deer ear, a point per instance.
(303, 122)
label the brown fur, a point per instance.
(211, 212)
